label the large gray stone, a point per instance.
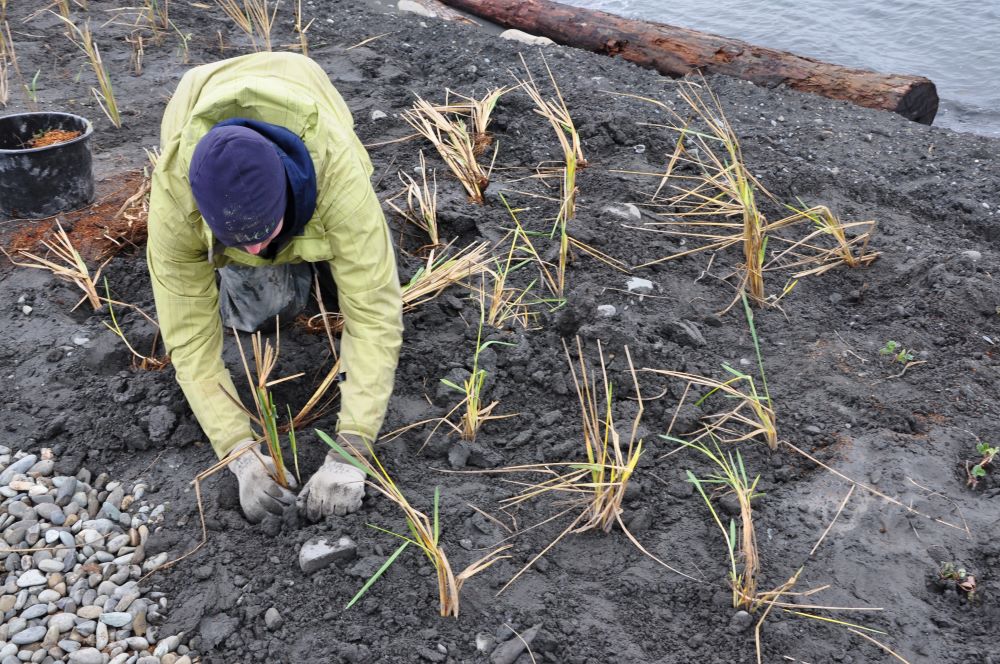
(31, 578)
(19, 466)
(318, 553)
(116, 618)
(86, 656)
(30, 635)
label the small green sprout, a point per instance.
(896, 351)
(32, 88)
(978, 471)
(965, 581)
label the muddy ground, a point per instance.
(68, 383)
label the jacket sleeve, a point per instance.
(370, 298)
(187, 305)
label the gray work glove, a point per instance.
(259, 494)
(337, 487)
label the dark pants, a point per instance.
(250, 298)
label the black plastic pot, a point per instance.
(41, 182)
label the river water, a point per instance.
(955, 43)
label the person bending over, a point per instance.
(262, 179)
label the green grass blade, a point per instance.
(293, 444)
(374, 577)
(393, 533)
(756, 345)
(437, 524)
(347, 456)
(452, 385)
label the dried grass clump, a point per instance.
(596, 485)
(710, 198)
(448, 132)
(84, 40)
(555, 111)
(255, 19)
(66, 264)
(421, 203)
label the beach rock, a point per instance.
(508, 651)
(525, 38)
(31, 578)
(318, 553)
(86, 656)
(273, 619)
(29, 635)
(116, 619)
(624, 211)
(414, 8)
(740, 622)
(639, 285)
(606, 310)
(16, 468)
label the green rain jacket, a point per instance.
(348, 230)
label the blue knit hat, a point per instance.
(239, 184)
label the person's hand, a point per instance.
(260, 495)
(337, 487)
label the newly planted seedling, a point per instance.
(507, 303)
(31, 89)
(720, 204)
(555, 111)
(595, 485)
(449, 134)
(963, 580)
(751, 417)
(474, 413)
(479, 111)
(255, 18)
(84, 40)
(977, 471)
(731, 476)
(301, 29)
(139, 361)
(421, 202)
(266, 410)
(424, 533)
(895, 350)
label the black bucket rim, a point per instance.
(86, 134)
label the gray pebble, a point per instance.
(87, 627)
(31, 578)
(69, 645)
(116, 618)
(18, 509)
(166, 645)
(318, 553)
(86, 656)
(64, 494)
(30, 635)
(49, 595)
(63, 621)
(36, 611)
(18, 467)
(50, 565)
(273, 619)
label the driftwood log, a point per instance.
(678, 52)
